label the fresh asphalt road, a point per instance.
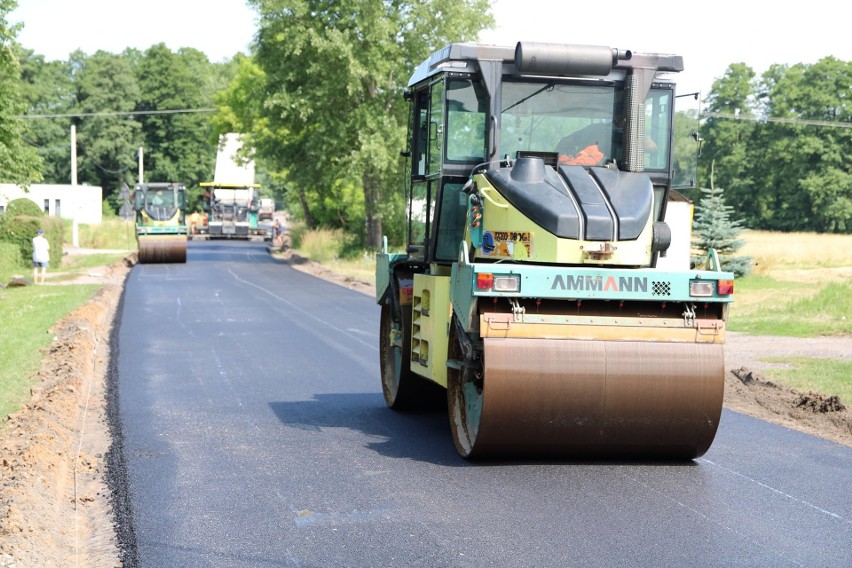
(255, 434)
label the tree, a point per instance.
(714, 229)
(107, 138)
(19, 163)
(780, 145)
(816, 180)
(727, 142)
(49, 90)
(335, 73)
(178, 145)
(240, 109)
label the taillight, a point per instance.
(726, 287)
(484, 280)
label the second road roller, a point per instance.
(546, 280)
(161, 230)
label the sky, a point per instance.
(710, 36)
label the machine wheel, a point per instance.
(464, 393)
(399, 384)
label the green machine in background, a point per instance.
(161, 230)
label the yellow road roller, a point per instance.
(161, 231)
(544, 282)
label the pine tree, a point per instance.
(713, 228)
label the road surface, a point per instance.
(255, 434)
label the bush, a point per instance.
(19, 224)
(107, 210)
(296, 230)
(23, 206)
(10, 260)
(321, 245)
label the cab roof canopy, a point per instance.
(547, 59)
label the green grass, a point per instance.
(320, 245)
(79, 262)
(361, 268)
(10, 261)
(26, 316)
(764, 306)
(826, 376)
(327, 247)
(112, 233)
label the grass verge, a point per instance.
(114, 233)
(26, 317)
(78, 262)
(764, 306)
(826, 376)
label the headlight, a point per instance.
(701, 288)
(511, 283)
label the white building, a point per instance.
(679, 212)
(57, 200)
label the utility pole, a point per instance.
(140, 164)
(75, 230)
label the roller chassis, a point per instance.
(533, 294)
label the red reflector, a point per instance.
(726, 287)
(484, 281)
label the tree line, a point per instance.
(320, 98)
(157, 102)
(781, 145)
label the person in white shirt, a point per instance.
(41, 256)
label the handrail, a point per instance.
(484, 191)
(712, 262)
(463, 253)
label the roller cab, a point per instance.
(536, 285)
(161, 231)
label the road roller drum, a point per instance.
(588, 399)
(159, 250)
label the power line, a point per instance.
(800, 121)
(118, 113)
(197, 110)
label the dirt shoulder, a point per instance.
(56, 506)
(55, 503)
(747, 390)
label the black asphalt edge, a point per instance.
(116, 464)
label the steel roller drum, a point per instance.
(592, 398)
(158, 250)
